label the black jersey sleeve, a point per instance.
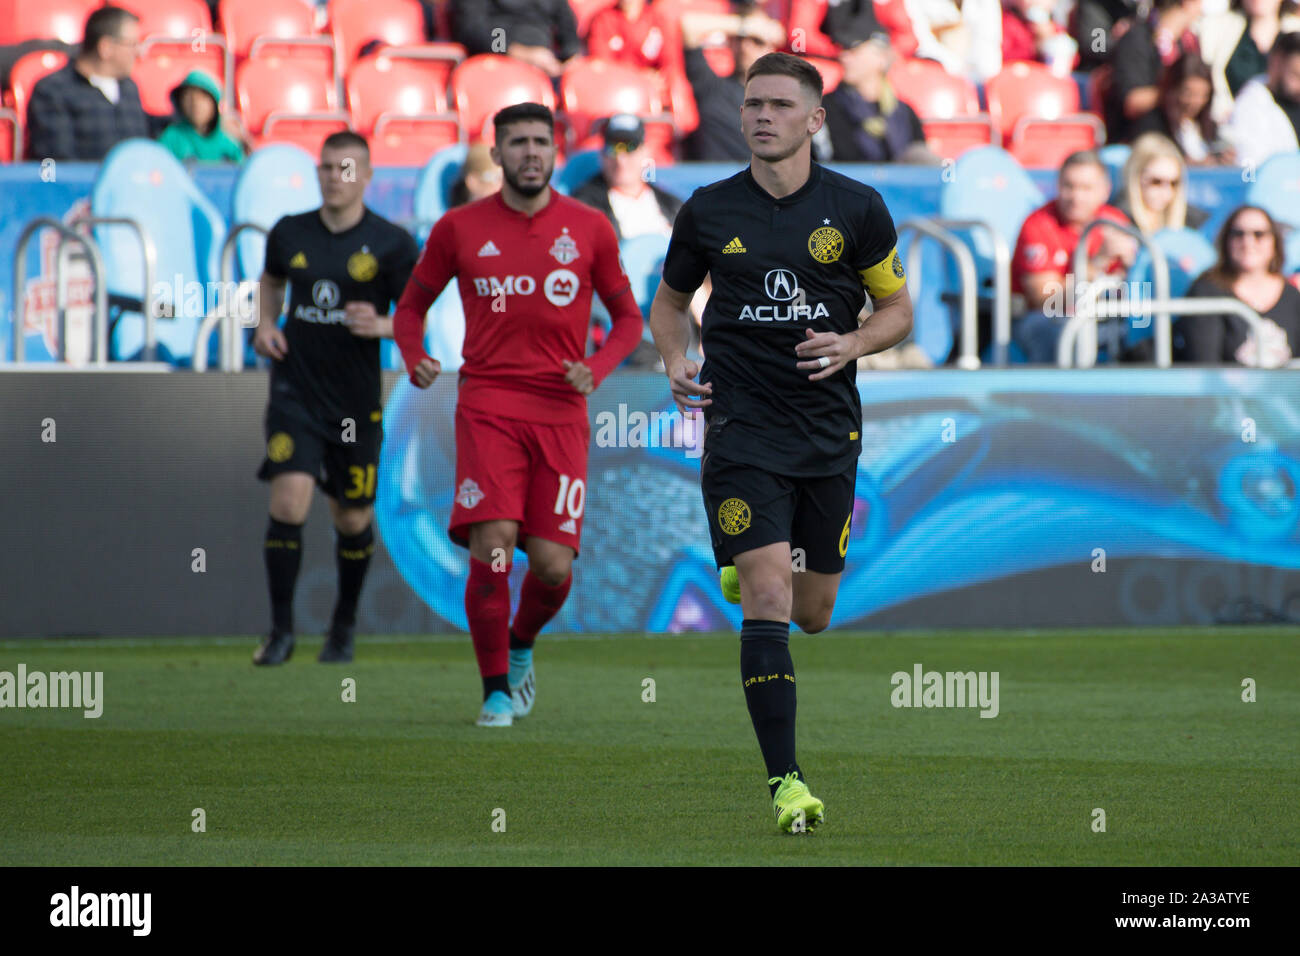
(685, 265)
(878, 262)
(398, 265)
(276, 265)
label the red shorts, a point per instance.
(508, 470)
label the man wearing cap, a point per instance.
(198, 132)
(866, 122)
(620, 190)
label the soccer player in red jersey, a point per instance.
(527, 260)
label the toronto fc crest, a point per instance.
(565, 249)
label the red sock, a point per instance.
(487, 606)
(538, 603)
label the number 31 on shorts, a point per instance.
(571, 497)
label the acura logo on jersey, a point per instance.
(561, 287)
(510, 285)
(325, 293)
(783, 313)
(781, 285)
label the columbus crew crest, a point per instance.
(280, 447)
(733, 516)
(565, 250)
(826, 244)
(363, 266)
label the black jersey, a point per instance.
(779, 268)
(332, 372)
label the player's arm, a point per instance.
(268, 340)
(685, 268)
(615, 291)
(434, 269)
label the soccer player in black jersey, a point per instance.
(344, 267)
(793, 249)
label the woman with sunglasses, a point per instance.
(1153, 187)
(1249, 269)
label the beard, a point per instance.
(528, 192)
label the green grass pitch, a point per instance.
(1147, 725)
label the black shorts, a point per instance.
(346, 470)
(750, 508)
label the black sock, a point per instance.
(353, 553)
(499, 682)
(519, 645)
(767, 674)
(283, 551)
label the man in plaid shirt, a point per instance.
(83, 110)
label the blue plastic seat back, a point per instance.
(1277, 188)
(1188, 254)
(1291, 254)
(989, 185)
(1114, 156)
(444, 332)
(579, 168)
(433, 187)
(643, 258)
(143, 181)
(276, 181)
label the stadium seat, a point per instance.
(22, 78)
(247, 20)
(577, 169)
(401, 103)
(950, 138)
(275, 181)
(1277, 188)
(1187, 254)
(141, 180)
(1291, 254)
(162, 65)
(989, 185)
(287, 101)
(433, 188)
(175, 19)
(1029, 90)
(1046, 143)
(1115, 155)
(45, 19)
(932, 91)
(830, 70)
(486, 83)
(592, 89)
(354, 23)
(643, 259)
(9, 136)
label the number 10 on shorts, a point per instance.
(571, 497)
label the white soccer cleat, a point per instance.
(496, 711)
(523, 682)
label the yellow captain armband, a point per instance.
(886, 277)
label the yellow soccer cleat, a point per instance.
(731, 584)
(797, 810)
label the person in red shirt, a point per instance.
(1045, 250)
(527, 260)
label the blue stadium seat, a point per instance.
(579, 168)
(1188, 254)
(433, 188)
(143, 181)
(1277, 188)
(444, 333)
(1291, 253)
(277, 180)
(643, 258)
(1115, 155)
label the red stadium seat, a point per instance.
(830, 70)
(45, 20)
(486, 83)
(932, 91)
(171, 18)
(591, 89)
(247, 20)
(9, 150)
(1046, 143)
(1029, 89)
(25, 74)
(354, 23)
(411, 140)
(950, 138)
(283, 101)
(164, 64)
(386, 84)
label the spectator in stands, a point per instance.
(1029, 34)
(865, 121)
(1153, 190)
(818, 28)
(198, 132)
(541, 32)
(1242, 37)
(1183, 114)
(1140, 58)
(1249, 269)
(751, 34)
(479, 176)
(85, 109)
(965, 36)
(1265, 118)
(1041, 264)
(1111, 17)
(637, 33)
(621, 190)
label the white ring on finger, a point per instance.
(824, 361)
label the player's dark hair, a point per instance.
(344, 139)
(521, 112)
(784, 64)
(1084, 157)
(104, 23)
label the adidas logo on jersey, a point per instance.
(299, 261)
(489, 249)
(569, 527)
(733, 246)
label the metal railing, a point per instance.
(100, 319)
(1087, 301)
(1001, 285)
(1131, 307)
(150, 258)
(926, 228)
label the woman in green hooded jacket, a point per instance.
(197, 133)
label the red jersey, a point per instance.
(526, 284)
(1046, 244)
